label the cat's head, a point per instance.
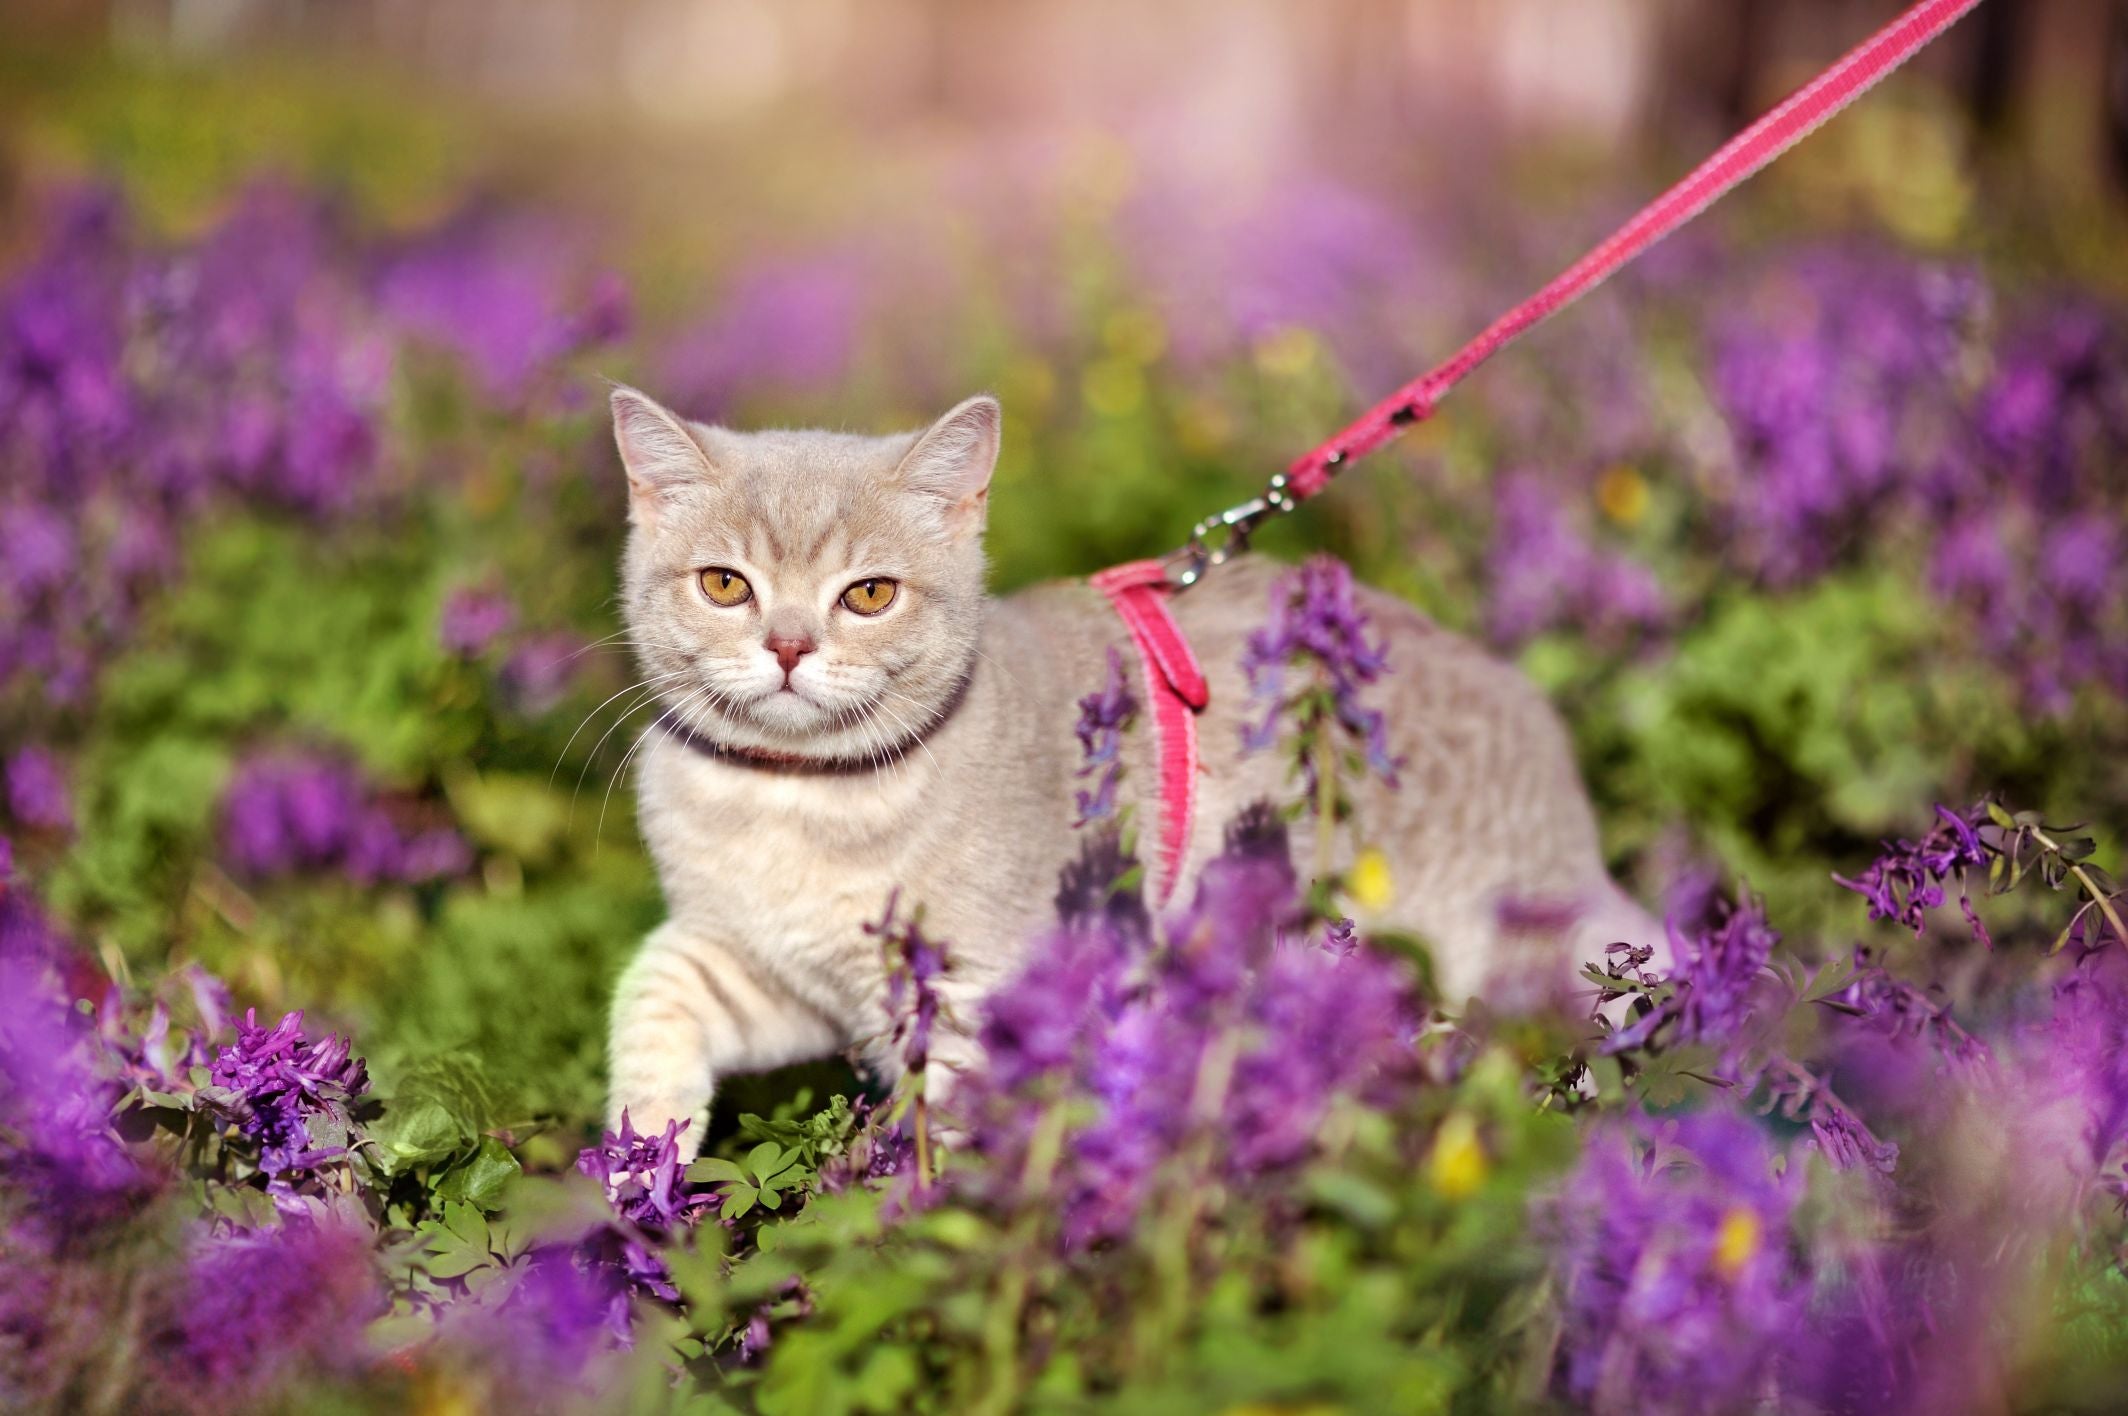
(806, 593)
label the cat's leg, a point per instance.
(687, 1010)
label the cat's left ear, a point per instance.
(660, 456)
(953, 461)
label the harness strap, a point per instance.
(1175, 689)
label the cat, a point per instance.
(847, 714)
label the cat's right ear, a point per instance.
(660, 455)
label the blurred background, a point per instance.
(308, 514)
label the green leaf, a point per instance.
(482, 1178)
(467, 1222)
(1834, 976)
(770, 1199)
(763, 1160)
(521, 815)
(439, 1109)
(2000, 817)
(711, 1170)
(737, 1201)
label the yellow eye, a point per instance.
(869, 597)
(725, 588)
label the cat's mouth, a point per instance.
(787, 707)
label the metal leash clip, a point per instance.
(1224, 535)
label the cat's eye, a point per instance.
(725, 587)
(869, 597)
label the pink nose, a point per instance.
(789, 651)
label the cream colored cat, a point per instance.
(847, 713)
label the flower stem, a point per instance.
(920, 1119)
(2098, 896)
(1325, 748)
(1001, 1329)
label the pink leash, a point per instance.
(1174, 682)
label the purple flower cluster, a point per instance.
(37, 794)
(286, 814)
(1315, 624)
(914, 965)
(1227, 1031)
(1103, 715)
(57, 1082)
(784, 324)
(144, 383)
(289, 1096)
(1892, 1005)
(1679, 1290)
(2076, 1070)
(540, 669)
(1546, 574)
(1907, 881)
(1720, 972)
(502, 292)
(2035, 528)
(472, 620)
(562, 1310)
(1847, 382)
(642, 1178)
(1314, 256)
(1836, 387)
(255, 1310)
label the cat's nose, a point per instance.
(789, 650)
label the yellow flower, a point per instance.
(1136, 335)
(1622, 493)
(1735, 1242)
(1369, 883)
(1113, 387)
(1456, 1168)
(1287, 352)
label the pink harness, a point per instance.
(1175, 687)
(1174, 683)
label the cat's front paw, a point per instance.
(654, 1117)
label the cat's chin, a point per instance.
(788, 713)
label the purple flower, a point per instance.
(472, 620)
(1673, 1258)
(1103, 715)
(256, 1310)
(1835, 385)
(1721, 965)
(283, 815)
(1891, 1004)
(540, 670)
(550, 1332)
(1545, 574)
(1316, 623)
(562, 1311)
(2076, 1064)
(498, 291)
(1105, 1014)
(288, 1095)
(788, 324)
(38, 550)
(642, 1177)
(914, 965)
(37, 792)
(58, 1085)
(1907, 881)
